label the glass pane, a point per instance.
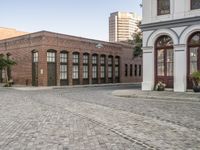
(102, 71)
(102, 60)
(94, 59)
(160, 55)
(170, 59)
(193, 54)
(163, 7)
(85, 59)
(195, 40)
(160, 69)
(193, 67)
(164, 41)
(195, 4)
(116, 71)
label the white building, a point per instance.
(122, 26)
(171, 42)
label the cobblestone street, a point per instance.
(91, 118)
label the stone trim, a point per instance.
(171, 23)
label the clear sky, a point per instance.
(85, 18)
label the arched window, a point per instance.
(75, 74)
(94, 68)
(117, 68)
(194, 52)
(110, 69)
(164, 60)
(195, 4)
(63, 67)
(163, 7)
(103, 68)
(85, 68)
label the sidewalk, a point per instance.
(33, 88)
(161, 95)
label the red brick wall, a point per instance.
(21, 49)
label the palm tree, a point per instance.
(5, 64)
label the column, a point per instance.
(180, 68)
(148, 69)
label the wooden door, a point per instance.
(164, 61)
(51, 67)
(34, 74)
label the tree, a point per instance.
(5, 64)
(137, 40)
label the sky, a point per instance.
(85, 18)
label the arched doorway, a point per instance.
(164, 61)
(193, 62)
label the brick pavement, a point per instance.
(91, 118)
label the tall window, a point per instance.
(193, 62)
(94, 66)
(135, 71)
(103, 66)
(164, 60)
(126, 70)
(164, 56)
(85, 66)
(131, 70)
(63, 65)
(35, 57)
(75, 66)
(51, 56)
(163, 7)
(110, 67)
(195, 4)
(194, 52)
(140, 70)
(117, 67)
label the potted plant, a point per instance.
(196, 81)
(160, 86)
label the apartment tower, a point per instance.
(122, 26)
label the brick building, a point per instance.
(9, 32)
(51, 59)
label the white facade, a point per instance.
(122, 26)
(181, 22)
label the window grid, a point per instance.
(76, 58)
(94, 72)
(94, 59)
(75, 72)
(102, 60)
(85, 71)
(116, 71)
(85, 58)
(63, 71)
(163, 7)
(35, 57)
(110, 72)
(51, 56)
(103, 71)
(195, 4)
(63, 57)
